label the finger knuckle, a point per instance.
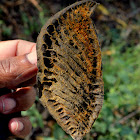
(6, 66)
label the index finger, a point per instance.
(13, 48)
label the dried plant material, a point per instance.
(35, 3)
(69, 61)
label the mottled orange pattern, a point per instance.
(70, 80)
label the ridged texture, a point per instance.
(69, 62)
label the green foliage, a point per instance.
(49, 138)
(30, 24)
(121, 71)
(35, 117)
(44, 15)
(59, 134)
(6, 30)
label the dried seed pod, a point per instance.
(69, 61)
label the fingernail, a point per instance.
(7, 105)
(17, 126)
(32, 58)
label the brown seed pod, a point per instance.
(69, 61)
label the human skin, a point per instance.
(18, 71)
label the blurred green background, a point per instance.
(118, 28)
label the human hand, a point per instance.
(17, 71)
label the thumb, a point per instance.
(18, 69)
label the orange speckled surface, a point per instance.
(69, 60)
